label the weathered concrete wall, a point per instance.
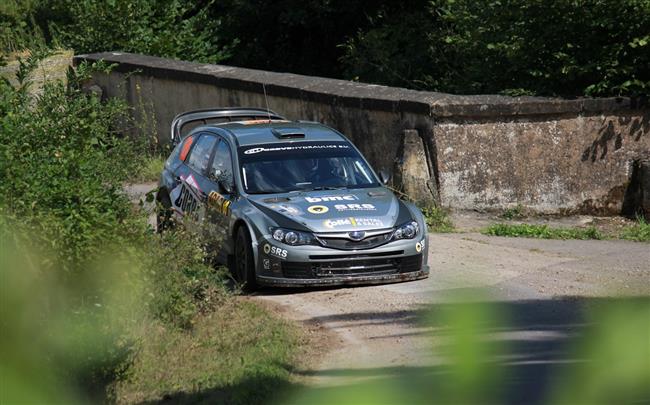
(481, 152)
(571, 162)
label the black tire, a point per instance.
(244, 263)
(163, 213)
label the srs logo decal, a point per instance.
(354, 207)
(318, 209)
(419, 246)
(275, 251)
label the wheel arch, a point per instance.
(235, 228)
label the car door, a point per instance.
(221, 191)
(192, 185)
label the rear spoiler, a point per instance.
(220, 115)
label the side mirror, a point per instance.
(384, 176)
(225, 185)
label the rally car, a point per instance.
(292, 203)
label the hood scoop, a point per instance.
(276, 200)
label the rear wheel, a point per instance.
(163, 213)
(244, 263)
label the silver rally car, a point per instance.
(293, 203)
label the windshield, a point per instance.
(284, 167)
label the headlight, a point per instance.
(293, 238)
(406, 231)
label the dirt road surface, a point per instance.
(543, 283)
(544, 286)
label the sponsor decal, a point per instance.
(294, 147)
(267, 264)
(419, 246)
(186, 201)
(318, 209)
(221, 203)
(190, 180)
(354, 207)
(288, 209)
(275, 251)
(331, 198)
(334, 223)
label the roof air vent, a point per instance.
(288, 133)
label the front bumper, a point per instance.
(344, 280)
(281, 265)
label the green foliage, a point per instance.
(168, 28)
(63, 165)
(18, 28)
(292, 35)
(179, 282)
(515, 47)
(600, 358)
(90, 295)
(513, 213)
(542, 232)
(512, 47)
(639, 232)
(150, 169)
(236, 355)
(437, 219)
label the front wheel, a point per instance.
(244, 263)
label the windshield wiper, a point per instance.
(266, 192)
(327, 188)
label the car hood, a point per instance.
(334, 210)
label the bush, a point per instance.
(81, 268)
(515, 47)
(18, 28)
(168, 28)
(63, 164)
(438, 219)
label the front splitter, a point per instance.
(335, 281)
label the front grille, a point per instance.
(352, 266)
(348, 244)
(356, 256)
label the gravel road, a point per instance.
(543, 282)
(544, 286)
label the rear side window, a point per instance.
(200, 154)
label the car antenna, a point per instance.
(266, 100)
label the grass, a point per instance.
(639, 232)
(438, 219)
(236, 355)
(541, 232)
(150, 169)
(513, 213)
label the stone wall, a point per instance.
(474, 152)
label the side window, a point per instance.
(200, 153)
(222, 163)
